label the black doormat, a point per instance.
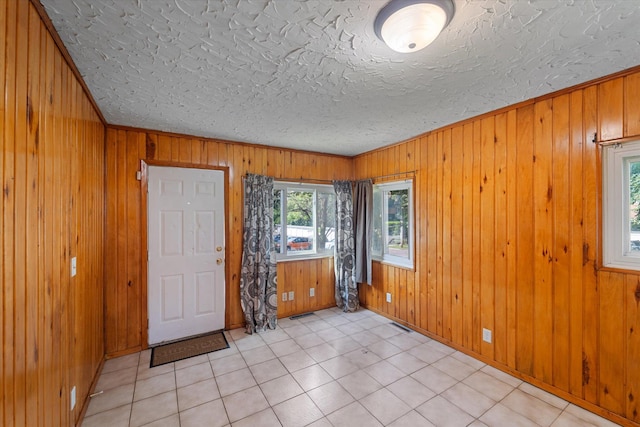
(189, 347)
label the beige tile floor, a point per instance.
(327, 369)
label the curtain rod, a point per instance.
(311, 180)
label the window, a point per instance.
(304, 220)
(621, 206)
(393, 223)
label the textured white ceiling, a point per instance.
(312, 75)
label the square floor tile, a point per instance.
(384, 372)
(411, 419)
(454, 368)
(500, 415)
(488, 385)
(247, 342)
(330, 334)
(110, 399)
(427, 353)
(467, 399)
(274, 335)
(128, 361)
(312, 377)
(318, 325)
(254, 356)
(344, 345)
(353, 415)
(330, 397)
(531, 407)
(264, 418)
(297, 331)
(362, 357)
(308, 340)
(145, 372)
(153, 408)
(170, 421)
(210, 414)
(117, 378)
(282, 348)
(359, 384)
(116, 417)
(404, 341)
(544, 396)
(338, 367)
(280, 389)
(193, 374)
(197, 394)
(406, 363)
(154, 385)
(235, 381)
(441, 412)
(244, 403)
(228, 364)
(322, 352)
(411, 392)
(297, 412)
(296, 361)
(385, 331)
(474, 363)
(265, 371)
(589, 417)
(365, 338)
(384, 349)
(434, 379)
(385, 406)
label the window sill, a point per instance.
(392, 264)
(302, 257)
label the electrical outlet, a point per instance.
(73, 266)
(486, 335)
(312, 292)
(284, 296)
(290, 295)
(388, 296)
(73, 397)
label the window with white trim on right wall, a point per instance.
(393, 231)
(621, 206)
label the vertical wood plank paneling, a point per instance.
(501, 222)
(632, 105)
(467, 239)
(476, 228)
(487, 234)
(512, 238)
(432, 240)
(439, 179)
(543, 198)
(576, 143)
(632, 339)
(562, 241)
(9, 207)
(457, 242)
(525, 242)
(611, 109)
(50, 336)
(612, 344)
(590, 174)
(446, 234)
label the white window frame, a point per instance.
(315, 188)
(615, 209)
(386, 257)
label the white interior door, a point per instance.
(186, 283)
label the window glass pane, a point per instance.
(300, 221)
(398, 223)
(377, 238)
(634, 205)
(325, 223)
(277, 219)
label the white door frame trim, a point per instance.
(144, 259)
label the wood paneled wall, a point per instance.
(508, 239)
(125, 282)
(52, 171)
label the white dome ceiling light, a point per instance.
(410, 25)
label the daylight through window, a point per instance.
(393, 223)
(304, 220)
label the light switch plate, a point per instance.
(290, 295)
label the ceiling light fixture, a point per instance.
(410, 25)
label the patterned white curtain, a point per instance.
(258, 293)
(346, 286)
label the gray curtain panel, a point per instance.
(258, 293)
(363, 208)
(346, 286)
